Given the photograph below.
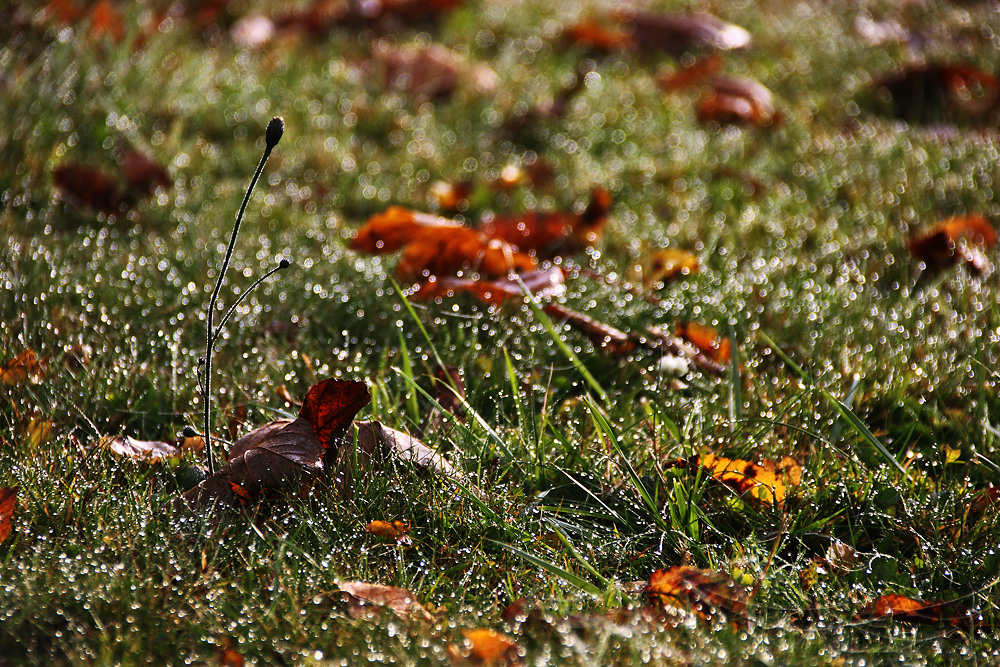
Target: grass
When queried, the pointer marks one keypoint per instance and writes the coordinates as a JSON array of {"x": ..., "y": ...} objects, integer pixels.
[{"x": 850, "y": 358}]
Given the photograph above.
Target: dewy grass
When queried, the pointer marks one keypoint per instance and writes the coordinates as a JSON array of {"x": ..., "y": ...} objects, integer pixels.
[{"x": 801, "y": 232}]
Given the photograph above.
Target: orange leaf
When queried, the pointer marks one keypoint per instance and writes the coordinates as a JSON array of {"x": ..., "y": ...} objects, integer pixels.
[
  {"x": 392, "y": 229},
  {"x": 105, "y": 19},
  {"x": 8, "y": 503},
  {"x": 900, "y": 608},
  {"x": 689, "y": 75},
  {"x": 663, "y": 266},
  {"x": 599, "y": 36},
  {"x": 490, "y": 648},
  {"x": 704, "y": 591},
  {"x": 330, "y": 406},
  {"x": 20, "y": 368},
  {"x": 745, "y": 477},
  {"x": 396, "y": 530},
  {"x": 940, "y": 247},
  {"x": 707, "y": 340}
]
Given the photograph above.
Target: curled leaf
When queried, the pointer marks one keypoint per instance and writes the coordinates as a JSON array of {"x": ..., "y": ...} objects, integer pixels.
[
  {"x": 21, "y": 368},
  {"x": 395, "y": 531},
  {"x": 677, "y": 34},
  {"x": 739, "y": 101},
  {"x": 363, "y": 599},
  {"x": 143, "y": 450},
  {"x": 707, "y": 340},
  {"x": 953, "y": 240}
]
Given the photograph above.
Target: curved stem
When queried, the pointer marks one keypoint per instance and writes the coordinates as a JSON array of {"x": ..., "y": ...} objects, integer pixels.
[
  {"x": 210, "y": 336},
  {"x": 241, "y": 299}
]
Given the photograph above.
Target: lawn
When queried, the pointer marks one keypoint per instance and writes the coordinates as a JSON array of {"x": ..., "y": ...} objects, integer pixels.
[{"x": 714, "y": 381}]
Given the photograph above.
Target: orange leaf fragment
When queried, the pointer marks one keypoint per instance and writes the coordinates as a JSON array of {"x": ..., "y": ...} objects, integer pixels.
[
  {"x": 599, "y": 36},
  {"x": 8, "y": 503},
  {"x": 664, "y": 266},
  {"x": 21, "y": 368},
  {"x": 707, "y": 340},
  {"x": 942, "y": 246},
  {"x": 396, "y": 530},
  {"x": 901, "y": 608},
  {"x": 745, "y": 477},
  {"x": 706, "y": 592},
  {"x": 364, "y": 598},
  {"x": 689, "y": 74},
  {"x": 488, "y": 648}
]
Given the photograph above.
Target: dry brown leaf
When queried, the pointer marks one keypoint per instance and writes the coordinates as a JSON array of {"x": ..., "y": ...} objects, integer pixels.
[
  {"x": 142, "y": 450},
  {"x": 953, "y": 240},
  {"x": 900, "y": 608},
  {"x": 21, "y": 368},
  {"x": 364, "y": 599},
  {"x": 677, "y": 34},
  {"x": 706, "y": 592},
  {"x": 90, "y": 188},
  {"x": 940, "y": 93},
  {"x": 430, "y": 72},
  {"x": 143, "y": 174},
  {"x": 8, "y": 503},
  {"x": 283, "y": 454},
  {"x": 553, "y": 234},
  {"x": 737, "y": 101}
]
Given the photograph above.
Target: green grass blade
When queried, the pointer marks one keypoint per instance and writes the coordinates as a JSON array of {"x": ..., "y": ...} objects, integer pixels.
[{"x": 552, "y": 568}]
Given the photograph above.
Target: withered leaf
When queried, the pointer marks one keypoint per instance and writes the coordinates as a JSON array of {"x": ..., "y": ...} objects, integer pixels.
[
  {"x": 282, "y": 454},
  {"x": 378, "y": 447},
  {"x": 706, "y": 592},
  {"x": 543, "y": 282},
  {"x": 363, "y": 599},
  {"x": 395, "y": 531},
  {"x": 677, "y": 34},
  {"x": 663, "y": 266},
  {"x": 940, "y": 93},
  {"x": 486, "y": 647},
  {"x": 143, "y": 450},
  {"x": 901, "y": 608},
  {"x": 551, "y": 234},
  {"x": 142, "y": 173},
  {"x": 430, "y": 72},
  {"x": 762, "y": 481},
  {"x": 707, "y": 340},
  {"x": 738, "y": 101},
  {"x": 21, "y": 368},
  {"x": 8, "y": 503},
  {"x": 88, "y": 187},
  {"x": 944, "y": 244}
]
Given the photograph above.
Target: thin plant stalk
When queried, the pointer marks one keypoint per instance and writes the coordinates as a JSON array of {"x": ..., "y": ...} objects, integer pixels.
[{"x": 272, "y": 135}]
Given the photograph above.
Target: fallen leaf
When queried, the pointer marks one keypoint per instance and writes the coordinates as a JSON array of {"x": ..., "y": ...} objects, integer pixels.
[
  {"x": 745, "y": 477},
  {"x": 88, "y": 187},
  {"x": 552, "y": 234},
  {"x": 706, "y": 340},
  {"x": 940, "y": 93},
  {"x": 378, "y": 447},
  {"x": 436, "y": 246},
  {"x": 38, "y": 431},
  {"x": 8, "y": 503},
  {"x": 21, "y": 368},
  {"x": 106, "y": 20},
  {"x": 430, "y": 72},
  {"x": 677, "y": 34},
  {"x": 900, "y": 608},
  {"x": 363, "y": 599},
  {"x": 283, "y": 453},
  {"x": 395, "y": 531},
  {"x": 706, "y": 592},
  {"x": 486, "y": 647},
  {"x": 667, "y": 343},
  {"x": 664, "y": 266},
  {"x": 603, "y": 336},
  {"x": 230, "y": 657},
  {"x": 142, "y": 173},
  {"x": 451, "y": 196},
  {"x": 689, "y": 74},
  {"x": 143, "y": 450},
  {"x": 952, "y": 240},
  {"x": 737, "y": 101},
  {"x": 542, "y": 283},
  {"x": 599, "y": 35}
]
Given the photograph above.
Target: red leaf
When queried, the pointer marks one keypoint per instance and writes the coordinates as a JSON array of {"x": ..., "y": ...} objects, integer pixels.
[
  {"x": 330, "y": 406},
  {"x": 89, "y": 188},
  {"x": 942, "y": 246},
  {"x": 8, "y": 503},
  {"x": 900, "y": 608},
  {"x": 143, "y": 174}
]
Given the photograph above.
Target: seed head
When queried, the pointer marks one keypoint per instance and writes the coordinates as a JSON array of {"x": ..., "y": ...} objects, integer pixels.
[{"x": 274, "y": 131}]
